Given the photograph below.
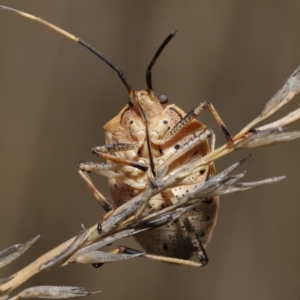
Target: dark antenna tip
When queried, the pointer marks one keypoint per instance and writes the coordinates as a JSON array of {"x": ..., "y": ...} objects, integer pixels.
[
  {"x": 103, "y": 58},
  {"x": 156, "y": 55}
]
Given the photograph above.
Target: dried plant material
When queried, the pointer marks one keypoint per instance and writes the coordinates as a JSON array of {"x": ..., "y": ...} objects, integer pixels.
[
  {"x": 221, "y": 184},
  {"x": 54, "y": 292},
  {"x": 288, "y": 119},
  {"x": 60, "y": 259},
  {"x": 10, "y": 254},
  {"x": 161, "y": 173},
  {"x": 124, "y": 211},
  {"x": 4, "y": 280},
  {"x": 162, "y": 217},
  {"x": 244, "y": 186},
  {"x": 226, "y": 186},
  {"x": 267, "y": 137},
  {"x": 99, "y": 257},
  {"x": 282, "y": 97},
  {"x": 100, "y": 244}
]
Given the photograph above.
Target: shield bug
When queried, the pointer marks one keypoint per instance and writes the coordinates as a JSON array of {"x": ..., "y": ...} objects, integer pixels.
[{"x": 147, "y": 136}]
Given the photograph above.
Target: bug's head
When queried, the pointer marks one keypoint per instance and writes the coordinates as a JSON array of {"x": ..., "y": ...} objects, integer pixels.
[{"x": 147, "y": 103}]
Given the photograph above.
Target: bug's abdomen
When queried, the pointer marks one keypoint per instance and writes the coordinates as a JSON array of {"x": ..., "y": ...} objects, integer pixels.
[{"x": 172, "y": 239}]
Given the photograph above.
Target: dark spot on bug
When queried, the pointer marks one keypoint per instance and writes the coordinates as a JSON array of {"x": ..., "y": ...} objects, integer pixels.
[
  {"x": 195, "y": 153},
  {"x": 162, "y": 206},
  {"x": 139, "y": 152},
  {"x": 115, "y": 186},
  {"x": 187, "y": 191},
  {"x": 131, "y": 122},
  {"x": 202, "y": 171},
  {"x": 165, "y": 246},
  {"x": 177, "y": 146},
  {"x": 160, "y": 151},
  {"x": 208, "y": 201},
  {"x": 165, "y": 121},
  {"x": 202, "y": 234},
  {"x": 207, "y": 218}
]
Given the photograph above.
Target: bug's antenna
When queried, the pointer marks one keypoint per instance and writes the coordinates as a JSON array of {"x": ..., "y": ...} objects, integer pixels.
[
  {"x": 156, "y": 55},
  {"x": 74, "y": 38}
]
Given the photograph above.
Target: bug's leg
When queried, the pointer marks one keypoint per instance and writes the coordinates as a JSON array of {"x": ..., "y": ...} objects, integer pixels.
[
  {"x": 199, "y": 249},
  {"x": 167, "y": 259},
  {"x": 106, "y": 150},
  {"x": 212, "y": 169},
  {"x": 113, "y": 171},
  {"x": 213, "y": 141},
  {"x": 195, "y": 240},
  {"x": 108, "y": 170},
  {"x": 106, "y": 203},
  {"x": 198, "y": 139},
  {"x": 192, "y": 115}
]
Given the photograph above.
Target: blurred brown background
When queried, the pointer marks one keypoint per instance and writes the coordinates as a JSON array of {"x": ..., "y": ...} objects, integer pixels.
[{"x": 55, "y": 97}]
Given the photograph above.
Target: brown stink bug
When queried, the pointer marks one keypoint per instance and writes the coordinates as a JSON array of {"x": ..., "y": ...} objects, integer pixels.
[{"x": 145, "y": 137}]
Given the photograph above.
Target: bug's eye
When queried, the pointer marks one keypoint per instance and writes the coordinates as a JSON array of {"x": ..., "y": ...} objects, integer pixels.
[{"x": 163, "y": 99}]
